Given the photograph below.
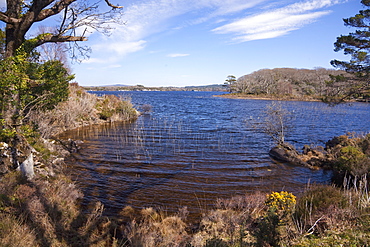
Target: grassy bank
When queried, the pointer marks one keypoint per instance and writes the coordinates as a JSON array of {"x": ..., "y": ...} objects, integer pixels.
[{"x": 45, "y": 212}]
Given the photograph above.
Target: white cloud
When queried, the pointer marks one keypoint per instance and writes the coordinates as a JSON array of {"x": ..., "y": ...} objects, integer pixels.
[
  {"x": 152, "y": 16},
  {"x": 147, "y": 17},
  {"x": 116, "y": 49},
  {"x": 178, "y": 55},
  {"x": 124, "y": 48},
  {"x": 275, "y": 23}
]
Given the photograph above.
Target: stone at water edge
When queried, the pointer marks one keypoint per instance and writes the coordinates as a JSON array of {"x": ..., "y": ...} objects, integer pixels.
[
  {"x": 289, "y": 155},
  {"x": 26, "y": 167}
]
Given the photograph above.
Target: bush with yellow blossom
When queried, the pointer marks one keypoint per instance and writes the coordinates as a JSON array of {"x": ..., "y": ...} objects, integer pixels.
[
  {"x": 272, "y": 227},
  {"x": 282, "y": 203}
]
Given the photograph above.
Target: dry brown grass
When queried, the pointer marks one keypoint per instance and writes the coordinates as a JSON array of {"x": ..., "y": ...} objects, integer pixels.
[
  {"x": 81, "y": 109},
  {"x": 14, "y": 233},
  {"x": 45, "y": 212},
  {"x": 151, "y": 228},
  {"x": 232, "y": 221}
]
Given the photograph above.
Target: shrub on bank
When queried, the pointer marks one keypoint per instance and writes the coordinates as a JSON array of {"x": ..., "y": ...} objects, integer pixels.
[
  {"x": 111, "y": 107},
  {"x": 349, "y": 157},
  {"x": 80, "y": 109}
]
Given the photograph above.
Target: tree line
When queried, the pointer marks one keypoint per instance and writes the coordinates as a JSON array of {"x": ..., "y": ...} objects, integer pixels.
[{"x": 318, "y": 83}]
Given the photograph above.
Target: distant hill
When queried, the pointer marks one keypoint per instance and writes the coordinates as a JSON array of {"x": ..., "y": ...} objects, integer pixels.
[
  {"x": 115, "y": 85},
  {"x": 120, "y": 87}
]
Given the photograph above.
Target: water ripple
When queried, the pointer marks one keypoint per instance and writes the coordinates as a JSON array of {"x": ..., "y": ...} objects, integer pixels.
[{"x": 194, "y": 148}]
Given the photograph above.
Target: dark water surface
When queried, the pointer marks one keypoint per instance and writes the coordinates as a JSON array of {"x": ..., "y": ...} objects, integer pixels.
[{"x": 194, "y": 148}]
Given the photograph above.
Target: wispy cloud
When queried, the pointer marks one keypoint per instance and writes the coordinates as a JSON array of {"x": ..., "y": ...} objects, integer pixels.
[
  {"x": 152, "y": 16},
  {"x": 178, "y": 55},
  {"x": 148, "y": 17},
  {"x": 120, "y": 48},
  {"x": 277, "y": 22}
]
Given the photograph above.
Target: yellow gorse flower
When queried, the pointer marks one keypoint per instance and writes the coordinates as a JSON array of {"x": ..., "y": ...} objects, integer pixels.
[{"x": 281, "y": 201}]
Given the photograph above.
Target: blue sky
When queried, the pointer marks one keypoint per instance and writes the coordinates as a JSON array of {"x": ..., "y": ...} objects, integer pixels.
[{"x": 201, "y": 42}]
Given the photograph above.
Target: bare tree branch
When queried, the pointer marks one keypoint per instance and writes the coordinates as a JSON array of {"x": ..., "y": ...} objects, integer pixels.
[
  {"x": 56, "y": 9},
  {"x": 54, "y": 39},
  {"x": 7, "y": 19},
  {"x": 113, "y": 6},
  {"x": 311, "y": 230},
  {"x": 78, "y": 15}
]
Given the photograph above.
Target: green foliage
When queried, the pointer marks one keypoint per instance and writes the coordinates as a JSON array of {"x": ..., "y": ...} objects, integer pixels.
[
  {"x": 229, "y": 82},
  {"x": 356, "y": 44},
  {"x": 267, "y": 232},
  {"x": 215, "y": 242},
  {"x": 350, "y": 154},
  {"x": 27, "y": 85},
  {"x": 365, "y": 144},
  {"x": 29, "y": 132},
  {"x": 6, "y": 134},
  {"x": 50, "y": 84},
  {"x": 105, "y": 113},
  {"x": 353, "y": 161},
  {"x": 350, "y": 238},
  {"x": 319, "y": 199}
]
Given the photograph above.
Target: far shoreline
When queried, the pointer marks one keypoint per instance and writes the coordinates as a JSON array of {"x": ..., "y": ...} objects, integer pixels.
[{"x": 263, "y": 97}]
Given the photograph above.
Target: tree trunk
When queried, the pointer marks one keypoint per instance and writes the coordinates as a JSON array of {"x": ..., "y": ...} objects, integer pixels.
[{"x": 13, "y": 39}]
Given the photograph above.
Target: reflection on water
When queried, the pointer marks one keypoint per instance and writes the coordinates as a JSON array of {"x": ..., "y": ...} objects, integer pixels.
[{"x": 194, "y": 148}]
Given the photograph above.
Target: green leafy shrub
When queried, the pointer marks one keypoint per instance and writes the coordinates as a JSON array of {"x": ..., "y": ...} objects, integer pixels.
[
  {"x": 365, "y": 145},
  {"x": 321, "y": 208},
  {"x": 320, "y": 198},
  {"x": 353, "y": 161},
  {"x": 349, "y": 156},
  {"x": 6, "y": 134},
  {"x": 26, "y": 85},
  {"x": 105, "y": 113}
]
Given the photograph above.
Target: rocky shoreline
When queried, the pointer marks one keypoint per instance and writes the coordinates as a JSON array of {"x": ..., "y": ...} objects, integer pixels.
[{"x": 345, "y": 155}]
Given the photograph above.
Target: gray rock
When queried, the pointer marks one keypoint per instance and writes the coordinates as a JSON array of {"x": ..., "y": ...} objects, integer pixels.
[
  {"x": 289, "y": 155},
  {"x": 27, "y": 166}
]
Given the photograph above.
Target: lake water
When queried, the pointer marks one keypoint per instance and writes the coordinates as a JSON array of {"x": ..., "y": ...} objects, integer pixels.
[{"x": 194, "y": 148}]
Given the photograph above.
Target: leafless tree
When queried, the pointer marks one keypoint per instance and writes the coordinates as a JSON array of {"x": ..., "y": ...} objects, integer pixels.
[
  {"x": 277, "y": 122},
  {"x": 76, "y": 18}
]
